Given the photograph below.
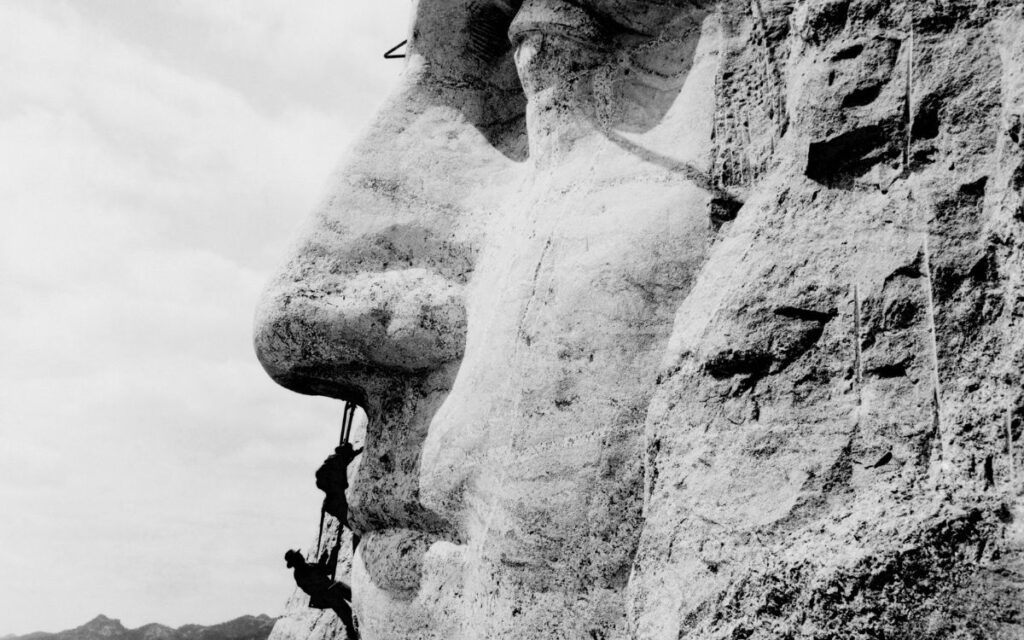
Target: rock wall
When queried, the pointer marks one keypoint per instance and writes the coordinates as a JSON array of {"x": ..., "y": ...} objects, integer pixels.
[
  {"x": 712, "y": 336},
  {"x": 834, "y": 449}
]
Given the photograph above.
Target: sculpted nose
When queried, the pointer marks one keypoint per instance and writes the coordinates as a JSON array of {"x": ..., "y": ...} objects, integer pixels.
[{"x": 355, "y": 305}]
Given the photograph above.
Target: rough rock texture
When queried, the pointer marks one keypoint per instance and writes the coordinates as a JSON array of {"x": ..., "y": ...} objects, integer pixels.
[
  {"x": 829, "y": 449},
  {"x": 679, "y": 320}
]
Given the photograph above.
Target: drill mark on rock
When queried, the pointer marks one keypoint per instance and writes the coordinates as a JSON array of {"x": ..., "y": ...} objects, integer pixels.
[
  {"x": 908, "y": 103},
  {"x": 1009, "y": 449},
  {"x": 858, "y": 347},
  {"x": 932, "y": 331}
]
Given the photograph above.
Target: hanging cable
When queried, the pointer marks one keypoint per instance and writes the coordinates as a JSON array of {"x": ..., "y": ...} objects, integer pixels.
[
  {"x": 320, "y": 531},
  {"x": 347, "y": 416}
]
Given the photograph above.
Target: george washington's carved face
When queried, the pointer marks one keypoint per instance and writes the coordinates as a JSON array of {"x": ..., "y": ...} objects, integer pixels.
[{"x": 493, "y": 277}]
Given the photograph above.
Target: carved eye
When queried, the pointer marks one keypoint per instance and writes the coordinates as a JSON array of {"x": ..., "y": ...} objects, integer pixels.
[
  {"x": 556, "y": 44},
  {"x": 560, "y": 19}
]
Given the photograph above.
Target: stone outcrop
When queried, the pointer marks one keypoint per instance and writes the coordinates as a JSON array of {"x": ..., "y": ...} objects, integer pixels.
[
  {"x": 707, "y": 325},
  {"x": 834, "y": 447}
]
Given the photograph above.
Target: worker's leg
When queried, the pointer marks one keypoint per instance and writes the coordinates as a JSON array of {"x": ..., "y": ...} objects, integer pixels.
[{"x": 344, "y": 611}]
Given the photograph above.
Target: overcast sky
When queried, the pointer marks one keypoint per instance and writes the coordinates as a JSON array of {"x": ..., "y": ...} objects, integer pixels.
[{"x": 156, "y": 157}]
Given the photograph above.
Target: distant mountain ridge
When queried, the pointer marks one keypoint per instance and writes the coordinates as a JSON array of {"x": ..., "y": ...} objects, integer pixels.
[{"x": 103, "y": 628}]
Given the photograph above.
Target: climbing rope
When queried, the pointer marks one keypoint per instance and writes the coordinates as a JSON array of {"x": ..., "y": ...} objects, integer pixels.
[
  {"x": 334, "y": 549},
  {"x": 348, "y": 414},
  {"x": 320, "y": 531},
  {"x": 347, "y": 417}
]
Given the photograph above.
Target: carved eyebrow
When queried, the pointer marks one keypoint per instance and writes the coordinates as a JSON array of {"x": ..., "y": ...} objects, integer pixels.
[
  {"x": 567, "y": 19},
  {"x": 645, "y": 18}
]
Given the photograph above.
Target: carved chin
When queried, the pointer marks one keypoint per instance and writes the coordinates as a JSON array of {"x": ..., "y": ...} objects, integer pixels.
[{"x": 404, "y": 589}]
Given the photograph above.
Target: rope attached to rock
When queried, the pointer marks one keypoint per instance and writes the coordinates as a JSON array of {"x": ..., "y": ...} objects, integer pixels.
[{"x": 347, "y": 417}]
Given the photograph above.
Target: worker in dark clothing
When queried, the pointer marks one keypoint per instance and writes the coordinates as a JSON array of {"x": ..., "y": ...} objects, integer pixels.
[
  {"x": 324, "y": 592},
  {"x": 332, "y": 479}
]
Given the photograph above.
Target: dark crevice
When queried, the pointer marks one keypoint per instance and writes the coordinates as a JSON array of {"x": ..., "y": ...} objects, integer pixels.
[
  {"x": 926, "y": 120},
  {"x": 836, "y": 161},
  {"x": 862, "y": 97},
  {"x": 886, "y": 371},
  {"x": 974, "y": 192},
  {"x": 922, "y": 158},
  {"x": 1017, "y": 181},
  {"x": 730, "y": 362},
  {"x": 912, "y": 270},
  {"x": 849, "y": 52},
  {"x": 723, "y": 209},
  {"x": 808, "y": 315}
]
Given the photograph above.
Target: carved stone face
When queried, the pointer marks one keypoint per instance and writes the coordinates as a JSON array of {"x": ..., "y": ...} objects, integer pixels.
[
  {"x": 605, "y": 400},
  {"x": 493, "y": 277}
]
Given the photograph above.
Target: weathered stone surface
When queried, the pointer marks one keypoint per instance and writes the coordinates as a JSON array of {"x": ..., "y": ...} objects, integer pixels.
[{"x": 706, "y": 325}]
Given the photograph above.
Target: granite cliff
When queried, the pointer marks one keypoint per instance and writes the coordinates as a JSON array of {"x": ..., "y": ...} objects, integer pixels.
[
  {"x": 679, "y": 320},
  {"x": 834, "y": 449}
]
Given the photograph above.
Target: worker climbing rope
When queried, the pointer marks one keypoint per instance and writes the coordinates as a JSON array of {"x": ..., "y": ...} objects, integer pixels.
[
  {"x": 317, "y": 581},
  {"x": 332, "y": 477}
]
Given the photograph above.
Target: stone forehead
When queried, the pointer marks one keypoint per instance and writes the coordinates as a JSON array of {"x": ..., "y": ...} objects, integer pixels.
[{"x": 646, "y": 16}]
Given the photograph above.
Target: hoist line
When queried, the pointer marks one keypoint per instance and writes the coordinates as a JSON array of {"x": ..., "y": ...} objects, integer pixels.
[
  {"x": 320, "y": 531},
  {"x": 347, "y": 417}
]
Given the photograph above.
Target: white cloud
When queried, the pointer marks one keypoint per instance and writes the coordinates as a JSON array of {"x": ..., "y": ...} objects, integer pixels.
[{"x": 155, "y": 155}]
